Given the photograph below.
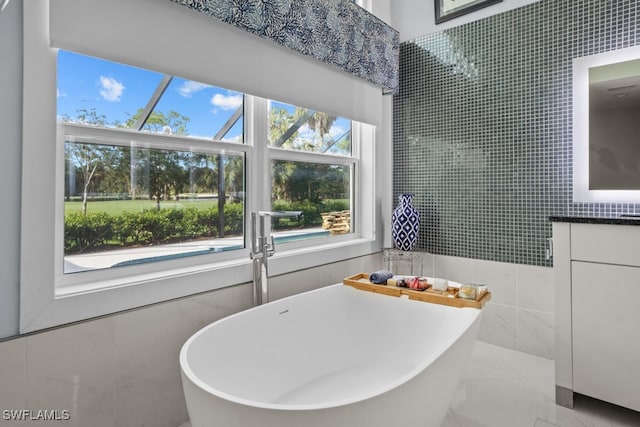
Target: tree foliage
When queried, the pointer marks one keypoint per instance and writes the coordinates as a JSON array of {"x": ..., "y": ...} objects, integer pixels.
[
  {"x": 87, "y": 158},
  {"x": 172, "y": 123},
  {"x": 95, "y": 171},
  {"x": 299, "y": 181},
  {"x": 134, "y": 172},
  {"x": 99, "y": 231}
]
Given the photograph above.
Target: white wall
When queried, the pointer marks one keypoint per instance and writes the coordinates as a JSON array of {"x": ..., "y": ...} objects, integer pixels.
[
  {"x": 415, "y": 18},
  {"x": 10, "y": 141},
  {"x": 382, "y": 9}
]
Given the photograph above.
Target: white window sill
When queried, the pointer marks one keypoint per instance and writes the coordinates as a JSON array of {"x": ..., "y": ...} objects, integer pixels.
[{"x": 82, "y": 301}]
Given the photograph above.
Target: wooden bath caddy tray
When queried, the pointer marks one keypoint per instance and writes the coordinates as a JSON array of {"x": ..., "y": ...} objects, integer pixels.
[{"x": 449, "y": 297}]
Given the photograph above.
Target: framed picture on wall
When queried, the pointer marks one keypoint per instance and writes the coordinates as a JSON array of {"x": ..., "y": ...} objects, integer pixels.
[{"x": 449, "y": 9}]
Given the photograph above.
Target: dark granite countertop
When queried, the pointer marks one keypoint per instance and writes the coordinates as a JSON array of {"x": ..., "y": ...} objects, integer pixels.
[{"x": 622, "y": 220}]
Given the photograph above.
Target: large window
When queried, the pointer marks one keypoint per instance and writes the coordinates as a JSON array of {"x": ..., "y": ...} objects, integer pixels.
[
  {"x": 155, "y": 157},
  {"x": 155, "y": 167},
  {"x": 303, "y": 129},
  {"x": 147, "y": 177},
  {"x": 100, "y": 93},
  {"x": 127, "y": 204},
  {"x": 312, "y": 169}
]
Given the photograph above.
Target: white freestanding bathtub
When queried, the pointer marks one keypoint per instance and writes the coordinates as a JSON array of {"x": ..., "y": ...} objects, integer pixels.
[{"x": 333, "y": 357}]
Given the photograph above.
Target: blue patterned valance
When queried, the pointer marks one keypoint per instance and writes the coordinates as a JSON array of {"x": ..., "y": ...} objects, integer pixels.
[{"x": 337, "y": 32}]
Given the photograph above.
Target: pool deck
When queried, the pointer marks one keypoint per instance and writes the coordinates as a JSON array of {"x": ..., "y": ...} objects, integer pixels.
[{"x": 130, "y": 256}]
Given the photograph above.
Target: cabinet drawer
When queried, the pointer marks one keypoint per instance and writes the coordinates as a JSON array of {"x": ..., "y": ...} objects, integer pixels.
[
  {"x": 611, "y": 244},
  {"x": 606, "y": 332}
]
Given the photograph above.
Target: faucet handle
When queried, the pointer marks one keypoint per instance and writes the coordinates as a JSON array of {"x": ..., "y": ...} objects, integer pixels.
[{"x": 271, "y": 249}]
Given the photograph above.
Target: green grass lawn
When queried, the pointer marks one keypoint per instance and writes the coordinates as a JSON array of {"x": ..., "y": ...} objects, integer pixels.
[{"x": 116, "y": 207}]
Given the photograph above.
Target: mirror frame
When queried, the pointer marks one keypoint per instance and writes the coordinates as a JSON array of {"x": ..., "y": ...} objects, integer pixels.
[{"x": 581, "y": 191}]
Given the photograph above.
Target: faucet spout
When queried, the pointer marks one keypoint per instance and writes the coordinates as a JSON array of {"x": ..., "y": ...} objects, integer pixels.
[
  {"x": 262, "y": 247},
  {"x": 281, "y": 214}
]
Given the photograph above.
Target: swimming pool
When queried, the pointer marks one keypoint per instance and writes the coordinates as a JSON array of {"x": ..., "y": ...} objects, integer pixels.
[{"x": 282, "y": 237}]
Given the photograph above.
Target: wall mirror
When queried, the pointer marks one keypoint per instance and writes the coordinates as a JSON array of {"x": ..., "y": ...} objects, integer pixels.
[{"x": 606, "y": 127}]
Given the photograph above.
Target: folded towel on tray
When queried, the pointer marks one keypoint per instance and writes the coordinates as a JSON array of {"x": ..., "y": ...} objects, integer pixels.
[{"x": 380, "y": 276}]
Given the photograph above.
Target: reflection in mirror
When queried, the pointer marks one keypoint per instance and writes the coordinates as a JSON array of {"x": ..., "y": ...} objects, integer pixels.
[
  {"x": 614, "y": 126},
  {"x": 606, "y": 127}
]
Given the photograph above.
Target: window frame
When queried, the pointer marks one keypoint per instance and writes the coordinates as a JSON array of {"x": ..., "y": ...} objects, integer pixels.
[
  {"x": 117, "y": 137},
  {"x": 43, "y": 305},
  {"x": 274, "y": 153}
]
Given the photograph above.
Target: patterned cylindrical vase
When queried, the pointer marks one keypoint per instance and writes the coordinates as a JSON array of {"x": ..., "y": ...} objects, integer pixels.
[{"x": 405, "y": 224}]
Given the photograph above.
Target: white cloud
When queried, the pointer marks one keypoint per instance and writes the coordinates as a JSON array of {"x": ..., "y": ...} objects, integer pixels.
[
  {"x": 60, "y": 93},
  {"x": 111, "y": 89},
  {"x": 190, "y": 87},
  {"x": 334, "y": 132},
  {"x": 337, "y": 131},
  {"x": 228, "y": 102},
  {"x": 305, "y": 132}
]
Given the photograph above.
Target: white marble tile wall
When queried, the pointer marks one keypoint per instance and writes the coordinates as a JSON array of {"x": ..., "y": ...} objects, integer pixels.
[
  {"x": 123, "y": 370},
  {"x": 520, "y": 314}
]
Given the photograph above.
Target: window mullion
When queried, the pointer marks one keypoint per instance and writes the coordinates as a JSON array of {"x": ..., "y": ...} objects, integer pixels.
[
  {"x": 153, "y": 101},
  {"x": 222, "y": 132},
  {"x": 124, "y": 137},
  {"x": 258, "y": 172},
  {"x": 305, "y": 156}
]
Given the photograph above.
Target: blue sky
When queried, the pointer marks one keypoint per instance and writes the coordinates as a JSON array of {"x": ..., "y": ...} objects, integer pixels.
[{"x": 118, "y": 91}]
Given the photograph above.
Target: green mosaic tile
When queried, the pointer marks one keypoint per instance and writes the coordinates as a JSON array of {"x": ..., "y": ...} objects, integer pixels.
[{"x": 482, "y": 126}]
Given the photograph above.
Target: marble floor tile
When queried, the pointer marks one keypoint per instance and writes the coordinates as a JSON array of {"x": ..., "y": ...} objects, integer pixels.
[{"x": 507, "y": 388}]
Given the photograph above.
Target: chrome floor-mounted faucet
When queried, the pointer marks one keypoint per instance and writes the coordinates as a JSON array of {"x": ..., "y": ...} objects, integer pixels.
[{"x": 262, "y": 247}]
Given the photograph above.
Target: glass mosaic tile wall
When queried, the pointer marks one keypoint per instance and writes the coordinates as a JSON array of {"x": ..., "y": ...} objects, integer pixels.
[{"x": 482, "y": 126}]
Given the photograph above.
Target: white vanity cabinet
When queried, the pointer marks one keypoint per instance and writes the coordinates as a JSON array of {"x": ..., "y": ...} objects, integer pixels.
[{"x": 597, "y": 273}]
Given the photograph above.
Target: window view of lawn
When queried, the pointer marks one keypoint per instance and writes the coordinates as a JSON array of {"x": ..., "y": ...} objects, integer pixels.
[
  {"x": 118, "y": 196},
  {"x": 156, "y": 161}
]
